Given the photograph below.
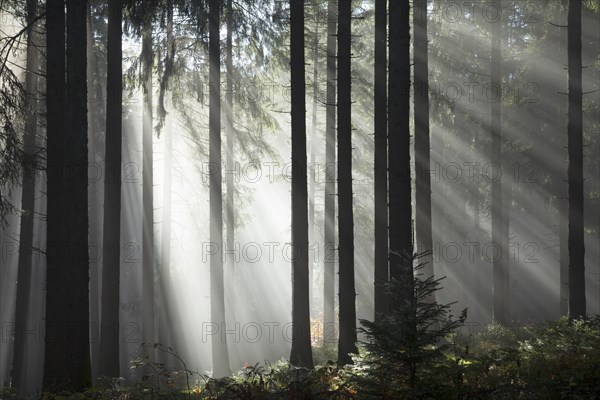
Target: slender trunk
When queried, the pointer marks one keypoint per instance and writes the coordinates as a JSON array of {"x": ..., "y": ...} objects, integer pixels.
[
  {"x": 220, "y": 354},
  {"x": 167, "y": 334},
  {"x": 329, "y": 252},
  {"x": 560, "y": 180},
  {"x": 347, "y": 293},
  {"x": 109, "y": 338},
  {"x": 313, "y": 156},
  {"x": 563, "y": 238},
  {"x": 148, "y": 193},
  {"x": 93, "y": 127},
  {"x": 67, "y": 358},
  {"x": 422, "y": 141},
  {"x": 476, "y": 237},
  {"x": 381, "y": 161},
  {"x": 301, "y": 352},
  {"x": 229, "y": 162},
  {"x": 500, "y": 258},
  {"x": 20, "y": 352},
  {"x": 400, "y": 204},
  {"x": 577, "y": 305},
  {"x": 165, "y": 321}
]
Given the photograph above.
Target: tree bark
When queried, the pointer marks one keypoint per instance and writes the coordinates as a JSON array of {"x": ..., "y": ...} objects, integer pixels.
[
  {"x": 347, "y": 293},
  {"x": 301, "y": 352},
  {"x": 500, "y": 258},
  {"x": 109, "y": 338},
  {"x": 381, "y": 161},
  {"x": 400, "y": 204},
  {"x": 148, "y": 308},
  {"x": 165, "y": 323},
  {"x": 577, "y": 301},
  {"x": 422, "y": 140},
  {"x": 329, "y": 250},
  {"x": 313, "y": 157},
  {"x": 67, "y": 355},
  {"x": 96, "y": 225},
  {"x": 229, "y": 162},
  {"x": 220, "y": 354}
]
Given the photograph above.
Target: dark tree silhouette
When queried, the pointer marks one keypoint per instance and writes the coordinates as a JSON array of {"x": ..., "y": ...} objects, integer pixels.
[
  {"x": 381, "y": 161},
  {"x": 500, "y": 259},
  {"x": 109, "y": 339},
  {"x": 19, "y": 367},
  {"x": 55, "y": 125},
  {"x": 147, "y": 188},
  {"x": 347, "y": 293},
  {"x": 330, "y": 168},
  {"x": 561, "y": 179},
  {"x": 229, "y": 163},
  {"x": 422, "y": 143},
  {"x": 96, "y": 113},
  {"x": 301, "y": 352},
  {"x": 166, "y": 319},
  {"x": 400, "y": 207},
  {"x": 577, "y": 306},
  {"x": 220, "y": 354},
  {"x": 67, "y": 354},
  {"x": 313, "y": 155}
]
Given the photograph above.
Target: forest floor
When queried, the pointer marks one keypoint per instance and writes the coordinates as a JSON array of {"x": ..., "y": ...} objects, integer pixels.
[{"x": 551, "y": 360}]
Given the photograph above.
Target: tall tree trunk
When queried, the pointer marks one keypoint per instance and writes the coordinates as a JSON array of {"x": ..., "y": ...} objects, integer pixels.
[
  {"x": 381, "y": 161},
  {"x": 165, "y": 322},
  {"x": 109, "y": 338},
  {"x": 500, "y": 258},
  {"x": 313, "y": 156},
  {"x": 330, "y": 167},
  {"x": 347, "y": 293},
  {"x": 229, "y": 162},
  {"x": 400, "y": 204},
  {"x": 167, "y": 334},
  {"x": 301, "y": 352},
  {"x": 20, "y": 352},
  {"x": 148, "y": 192},
  {"x": 577, "y": 305},
  {"x": 476, "y": 237},
  {"x": 94, "y": 213},
  {"x": 560, "y": 180},
  {"x": 422, "y": 141},
  {"x": 220, "y": 354},
  {"x": 67, "y": 358}
]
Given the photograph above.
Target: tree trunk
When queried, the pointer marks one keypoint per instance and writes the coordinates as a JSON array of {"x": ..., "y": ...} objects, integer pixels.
[
  {"x": 301, "y": 352},
  {"x": 313, "y": 156},
  {"x": 167, "y": 334},
  {"x": 220, "y": 354},
  {"x": 109, "y": 339},
  {"x": 577, "y": 305},
  {"x": 381, "y": 161},
  {"x": 20, "y": 352},
  {"x": 422, "y": 141},
  {"x": 148, "y": 193},
  {"x": 229, "y": 162},
  {"x": 558, "y": 124},
  {"x": 165, "y": 322},
  {"x": 329, "y": 252},
  {"x": 93, "y": 192},
  {"x": 500, "y": 258},
  {"x": 400, "y": 204},
  {"x": 67, "y": 358},
  {"x": 347, "y": 293}
]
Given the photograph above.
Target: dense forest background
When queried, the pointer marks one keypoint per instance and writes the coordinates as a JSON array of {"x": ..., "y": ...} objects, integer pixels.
[{"x": 226, "y": 183}]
